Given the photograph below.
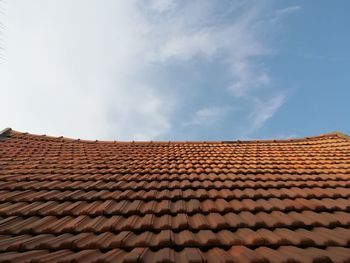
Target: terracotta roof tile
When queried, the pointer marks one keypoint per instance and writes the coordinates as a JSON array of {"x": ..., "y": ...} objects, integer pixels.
[{"x": 64, "y": 200}]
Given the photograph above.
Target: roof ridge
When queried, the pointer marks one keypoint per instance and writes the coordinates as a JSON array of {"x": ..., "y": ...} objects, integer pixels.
[
  {"x": 5, "y": 134},
  {"x": 305, "y": 138}
]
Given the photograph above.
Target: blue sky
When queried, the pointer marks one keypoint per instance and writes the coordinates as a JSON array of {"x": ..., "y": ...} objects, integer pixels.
[{"x": 175, "y": 70}]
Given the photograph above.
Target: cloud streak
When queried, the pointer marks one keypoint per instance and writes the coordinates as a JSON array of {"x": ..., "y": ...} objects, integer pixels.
[
  {"x": 287, "y": 10},
  {"x": 135, "y": 70},
  {"x": 265, "y": 110}
]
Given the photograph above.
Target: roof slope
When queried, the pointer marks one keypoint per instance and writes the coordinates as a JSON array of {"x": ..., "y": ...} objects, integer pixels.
[{"x": 258, "y": 201}]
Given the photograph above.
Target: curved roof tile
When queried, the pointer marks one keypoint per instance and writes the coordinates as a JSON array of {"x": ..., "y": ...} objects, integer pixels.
[{"x": 64, "y": 200}]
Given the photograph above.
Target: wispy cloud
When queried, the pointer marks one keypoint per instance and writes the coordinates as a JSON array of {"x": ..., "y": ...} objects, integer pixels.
[
  {"x": 247, "y": 78},
  {"x": 135, "y": 69},
  {"x": 208, "y": 116},
  {"x": 280, "y": 13},
  {"x": 264, "y": 110},
  {"x": 287, "y": 10},
  {"x": 162, "y": 5}
]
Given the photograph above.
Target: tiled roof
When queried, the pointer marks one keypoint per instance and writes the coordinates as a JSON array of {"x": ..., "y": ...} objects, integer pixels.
[{"x": 255, "y": 201}]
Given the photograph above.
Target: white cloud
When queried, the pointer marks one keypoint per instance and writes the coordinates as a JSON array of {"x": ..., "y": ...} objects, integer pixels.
[
  {"x": 247, "y": 78},
  {"x": 237, "y": 43},
  {"x": 105, "y": 70},
  {"x": 280, "y": 13},
  {"x": 187, "y": 46},
  {"x": 264, "y": 110},
  {"x": 66, "y": 75},
  {"x": 140, "y": 113},
  {"x": 208, "y": 116},
  {"x": 162, "y": 5},
  {"x": 287, "y": 10}
]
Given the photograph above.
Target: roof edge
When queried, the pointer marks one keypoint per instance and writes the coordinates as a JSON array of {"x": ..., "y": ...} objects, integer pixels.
[
  {"x": 5, "y": 133},
  {"x": 342, "y": 135},
  {"x": 305, "y": 138}
]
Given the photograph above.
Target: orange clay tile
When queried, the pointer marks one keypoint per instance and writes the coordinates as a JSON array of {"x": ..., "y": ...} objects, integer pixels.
[{"x": 66, "y": 200}]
